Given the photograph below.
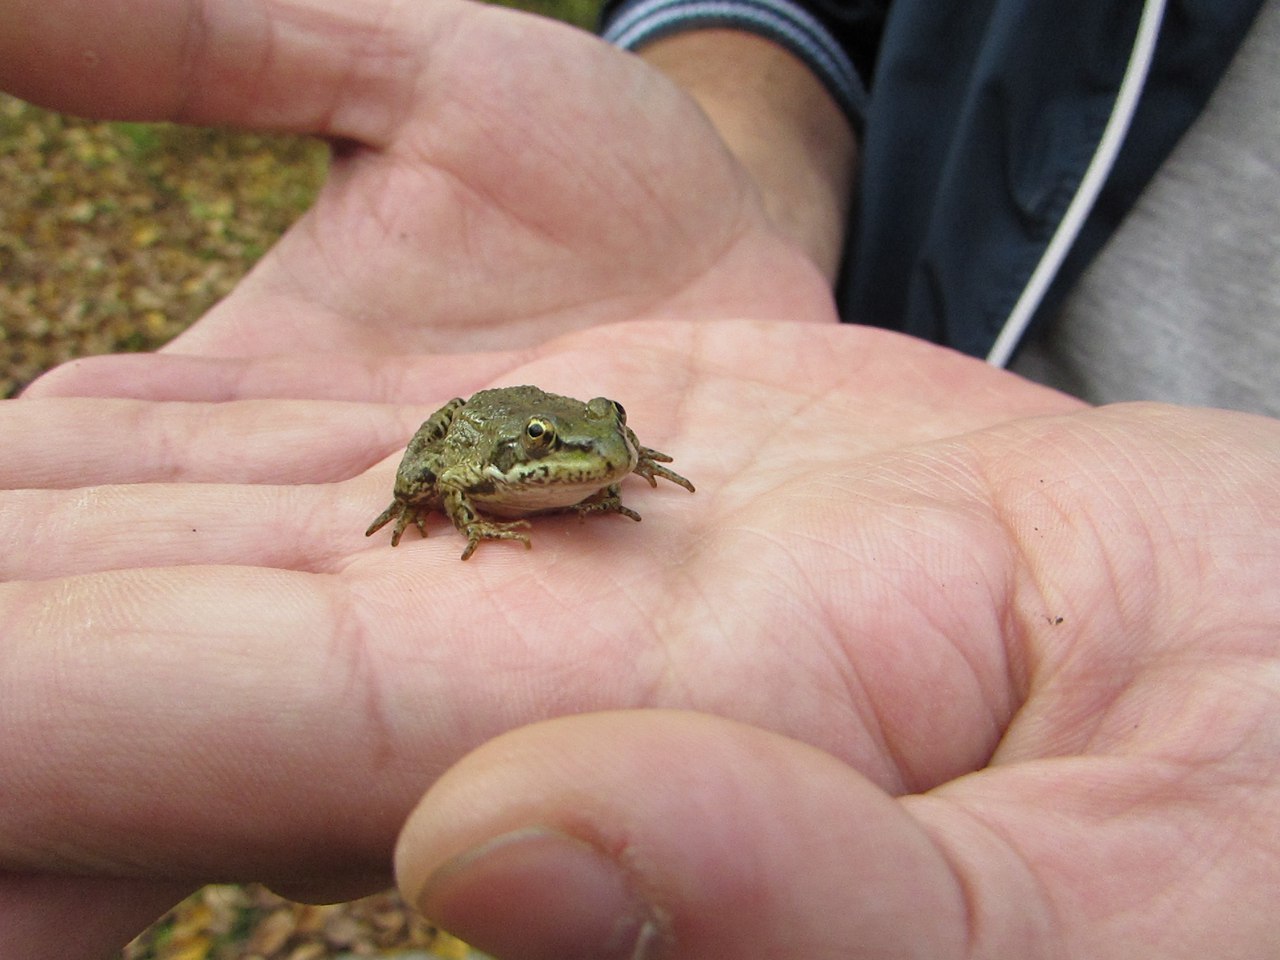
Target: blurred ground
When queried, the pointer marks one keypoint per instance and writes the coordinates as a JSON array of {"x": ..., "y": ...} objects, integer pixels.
[
  {"x": 227, "y": 922},
  {"x": 115, "y": 237}
]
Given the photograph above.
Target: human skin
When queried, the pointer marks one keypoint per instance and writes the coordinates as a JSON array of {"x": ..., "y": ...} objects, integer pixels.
[
  {"x": 518, "y": 178},
  {"x": 962, "y": 667},
  {"x": 935, "y": 662}
]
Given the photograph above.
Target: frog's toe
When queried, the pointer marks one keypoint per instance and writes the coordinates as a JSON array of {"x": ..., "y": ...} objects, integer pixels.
[
  {"x": 408, "y": 515},
  {"x": 606, "y": 501},
  {"x": 610, "y": 505},
  {"x": 485, "y": 530},
  {"x": 383, "y": 519},
  {"x": 651, "y": 471}
]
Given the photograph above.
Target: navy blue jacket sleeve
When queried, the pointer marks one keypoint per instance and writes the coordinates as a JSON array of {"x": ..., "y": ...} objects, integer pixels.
[
  {"x": 838, "y": 39},
  {"x": 982, "y": 125}
]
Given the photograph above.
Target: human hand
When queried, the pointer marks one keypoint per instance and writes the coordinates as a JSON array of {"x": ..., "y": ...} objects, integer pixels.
[
  {"x": 498, "y": 178},
  {"x": 944, "y": 661}
]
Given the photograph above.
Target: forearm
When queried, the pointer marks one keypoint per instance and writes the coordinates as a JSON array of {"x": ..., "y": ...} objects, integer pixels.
[{"x": 779, "y": 121}]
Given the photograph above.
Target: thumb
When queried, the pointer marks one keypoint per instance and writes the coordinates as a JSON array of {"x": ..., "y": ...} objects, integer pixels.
[{"x": 647, "y": 834}]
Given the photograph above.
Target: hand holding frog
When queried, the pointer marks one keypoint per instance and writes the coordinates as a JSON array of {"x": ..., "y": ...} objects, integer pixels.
[
  {"x": 932, "y": 681},
  {"x": 929, "y": 679}
]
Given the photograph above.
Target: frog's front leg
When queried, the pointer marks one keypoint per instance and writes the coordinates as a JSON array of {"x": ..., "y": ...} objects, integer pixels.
[
  {"x": 647, "y": 466},
  {"x": 472, "y": 526}
]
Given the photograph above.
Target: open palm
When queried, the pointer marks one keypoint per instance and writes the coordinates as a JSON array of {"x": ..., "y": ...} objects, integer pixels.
[
  {"x": 497, "y": 178},
  {"x": 961, "y": 589}
]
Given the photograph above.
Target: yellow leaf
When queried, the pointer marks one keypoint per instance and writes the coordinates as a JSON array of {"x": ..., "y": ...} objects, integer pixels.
[
  {"x": 196, "y": 948},
  {"x": 146, "y": 235},
  {"x": 191, "y": 922},
  {"x": 155, "y": 321},
  {"x": 450, "y": 948}
]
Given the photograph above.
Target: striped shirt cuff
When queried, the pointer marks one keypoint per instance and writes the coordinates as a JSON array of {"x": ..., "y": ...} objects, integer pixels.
[{"x": 633, "y": 23}]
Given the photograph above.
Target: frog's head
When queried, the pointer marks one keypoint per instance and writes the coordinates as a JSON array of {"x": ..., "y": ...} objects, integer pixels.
[{"x": 558, "y": 453}]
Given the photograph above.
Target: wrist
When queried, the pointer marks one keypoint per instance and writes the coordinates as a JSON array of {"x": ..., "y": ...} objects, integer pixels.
[{"x": 780, "y": 122}]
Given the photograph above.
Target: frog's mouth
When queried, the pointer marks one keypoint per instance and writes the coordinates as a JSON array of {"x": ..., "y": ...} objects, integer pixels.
[{"x": 539, "y": 485}]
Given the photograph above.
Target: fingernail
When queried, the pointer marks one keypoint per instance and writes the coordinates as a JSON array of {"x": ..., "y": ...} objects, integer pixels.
[{"x": 539, "y": 894}]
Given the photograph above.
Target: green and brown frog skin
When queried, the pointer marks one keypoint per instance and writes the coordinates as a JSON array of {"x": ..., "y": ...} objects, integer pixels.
[{"x": 517, "y": 452}]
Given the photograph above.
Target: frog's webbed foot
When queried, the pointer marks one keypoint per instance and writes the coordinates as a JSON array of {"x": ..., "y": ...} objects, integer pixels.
[
  {"x": 604, "y": 501},
  {"x": 475, "y": 528},
  {"x": 404, "y": 514},
  {"x": 479, "y": 530},
  {"x": 648, "y": 467}
]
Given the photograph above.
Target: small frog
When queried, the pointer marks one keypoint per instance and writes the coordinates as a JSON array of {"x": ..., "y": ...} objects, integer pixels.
[{"x": 515, "y": 452}]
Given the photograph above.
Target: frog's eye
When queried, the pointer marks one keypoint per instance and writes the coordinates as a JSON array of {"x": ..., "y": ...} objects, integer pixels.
[{"x": 539, "y": 434}]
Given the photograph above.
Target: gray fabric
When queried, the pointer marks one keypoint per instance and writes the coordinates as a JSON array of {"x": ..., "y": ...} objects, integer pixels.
[{"x": 1183, "y": 304}]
